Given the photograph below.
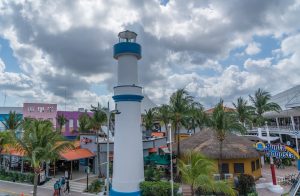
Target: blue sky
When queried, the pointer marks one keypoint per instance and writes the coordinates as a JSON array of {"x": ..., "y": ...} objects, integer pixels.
[{"x": 213, "y": 49}]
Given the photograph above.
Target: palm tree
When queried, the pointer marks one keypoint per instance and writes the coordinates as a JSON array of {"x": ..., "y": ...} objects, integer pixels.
[
  {"x": 61, "y": 121},
  {"x": 98, "y": 119},
  {"x": 13, "y": 121},
  {"x": 195, "y": 117},
  {"x": 148, "y": 120},
  {"x": 163, "y": 114},
  {"x": 180, "y": 103},
  {"x": 223, "y": 123},
  {"x": 262, "y": 104},
  {"x": 40, "y": 144},
  {"x": 5, "y": 138},
  {"x": 84, "y": 122},
  {"x": 243, "y": 110},
  {"x": 197, "y": 171}
]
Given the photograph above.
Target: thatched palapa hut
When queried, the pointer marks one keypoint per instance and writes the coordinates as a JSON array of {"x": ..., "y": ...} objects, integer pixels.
[{"x": 239, "y": 153}]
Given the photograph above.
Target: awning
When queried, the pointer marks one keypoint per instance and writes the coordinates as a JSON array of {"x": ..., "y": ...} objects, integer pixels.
[
  {"x": 76, "y": 154},
  {"x": 165, "y": 149},
  {"x": 152, "y": 150}
]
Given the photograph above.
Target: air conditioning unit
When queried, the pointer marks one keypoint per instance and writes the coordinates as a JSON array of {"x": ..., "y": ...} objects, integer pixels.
[
  {"x": 217, "y": 176},
  {"x": 228, "y": 176}
]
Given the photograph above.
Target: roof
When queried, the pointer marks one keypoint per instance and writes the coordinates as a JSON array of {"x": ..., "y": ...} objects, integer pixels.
[
  {"x": 227, "y": 109},
  {"x": 234, "y": 147},
  {"x": 10, "y": 150},
  {"x": 76, "y": 154}
]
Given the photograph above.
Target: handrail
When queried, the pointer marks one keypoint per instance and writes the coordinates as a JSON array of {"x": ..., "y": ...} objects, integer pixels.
[{"x": 294, "y": 189}]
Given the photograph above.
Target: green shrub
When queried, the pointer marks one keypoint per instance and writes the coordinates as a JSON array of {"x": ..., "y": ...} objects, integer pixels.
[
  {"x": 159, "y": 188},
  {"x": 246, "y": 184},
  {"x": 16, "y": 176},
  {"x": 152, "y": 173},
  {"x": 95, "y": 187}
]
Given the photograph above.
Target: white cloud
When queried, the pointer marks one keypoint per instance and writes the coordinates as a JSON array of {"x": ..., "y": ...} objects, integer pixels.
[
  {"x": 261, "y": 63},
  {"x": 253, "y": 48},
  {"x": 2, "y": 65},
  {"x": 68, "y": 45}
]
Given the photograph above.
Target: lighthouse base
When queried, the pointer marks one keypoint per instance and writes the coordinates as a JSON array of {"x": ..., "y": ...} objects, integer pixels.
[{"x": 116, "y": 193}]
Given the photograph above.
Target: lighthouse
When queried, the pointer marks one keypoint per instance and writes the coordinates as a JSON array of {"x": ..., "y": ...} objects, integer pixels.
[{"x": 128, "y": 167}]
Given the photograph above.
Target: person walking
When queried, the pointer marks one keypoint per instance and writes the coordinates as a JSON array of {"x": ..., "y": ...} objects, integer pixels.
[
  {"x": 56, "y": 189},
  {"x": 67, "y": 186}
]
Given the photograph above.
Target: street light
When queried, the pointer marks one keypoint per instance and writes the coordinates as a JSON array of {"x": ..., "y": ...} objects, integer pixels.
[
  {"x": 171, "y": 159},
  {"x": 108, "y": 115}
]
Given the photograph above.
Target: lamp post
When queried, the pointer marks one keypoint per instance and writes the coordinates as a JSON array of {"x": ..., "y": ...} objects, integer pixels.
[
  {"x": 171, "y": 159},
  {"x": 271, "y": 158},
  {"x": 108, "y": 115}
]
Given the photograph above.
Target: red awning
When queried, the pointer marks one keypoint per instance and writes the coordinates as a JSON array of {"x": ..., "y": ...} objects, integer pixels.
[
  {"x": 152, "y": 150},
  {"x": 76, "y": 154}
]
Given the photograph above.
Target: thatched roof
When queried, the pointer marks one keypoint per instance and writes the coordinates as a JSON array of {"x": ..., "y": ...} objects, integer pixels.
[{"x": 234, "y": 147}]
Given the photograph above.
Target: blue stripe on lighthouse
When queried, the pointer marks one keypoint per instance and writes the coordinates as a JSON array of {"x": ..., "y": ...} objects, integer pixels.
[
  {"x": 116, "y": 193},
  {"x": 127, "y": 48},
  {"x": 137, "y": 98}
]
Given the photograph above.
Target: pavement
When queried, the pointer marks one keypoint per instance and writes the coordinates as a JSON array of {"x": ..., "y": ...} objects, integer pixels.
[
  {"x": 17, "y": 189},
  {"x": 267, "y": 178}
]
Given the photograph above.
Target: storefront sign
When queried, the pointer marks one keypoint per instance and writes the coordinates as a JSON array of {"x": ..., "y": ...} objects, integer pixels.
[{"x": 277, "y": 150}]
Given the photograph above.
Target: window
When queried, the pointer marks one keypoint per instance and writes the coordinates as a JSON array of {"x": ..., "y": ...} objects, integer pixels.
[
  {"x": 50, "y": 109},
  {"x": 217, "y": 176},
  {"x": 30, "y": 109},
  {"x": 71, "y": 125},
  {"x": 253, "y": 165},
  {"x": 225, "y": 168},
  {"x": 239, "y": 168},
  {"x": 41, "y": 109},
  {"x": 257, "y": 164}
]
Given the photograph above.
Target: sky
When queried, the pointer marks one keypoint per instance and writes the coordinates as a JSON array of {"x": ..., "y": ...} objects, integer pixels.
[{"x": 60, "y": 51}]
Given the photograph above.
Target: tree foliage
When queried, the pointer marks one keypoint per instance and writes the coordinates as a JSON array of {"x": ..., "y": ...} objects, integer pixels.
[
  {"x": 40, "y": 144},
  {"x": 197, "y": 171}
]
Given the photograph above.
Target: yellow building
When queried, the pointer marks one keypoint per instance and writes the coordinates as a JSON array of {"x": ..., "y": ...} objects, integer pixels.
[{"x": 239, "y": 154}]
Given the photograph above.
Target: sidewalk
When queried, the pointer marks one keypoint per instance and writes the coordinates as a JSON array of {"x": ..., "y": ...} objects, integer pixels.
[{"x": 15, "y": 188}]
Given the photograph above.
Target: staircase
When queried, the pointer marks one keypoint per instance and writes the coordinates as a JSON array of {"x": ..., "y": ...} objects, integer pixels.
[
  {"x": 186, "y": 190},
  {"x": 74, "y": 186}
]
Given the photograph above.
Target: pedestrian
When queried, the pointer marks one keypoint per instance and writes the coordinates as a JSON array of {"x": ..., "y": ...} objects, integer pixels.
[
  {"x": 59, "y": 187},
  {"x": 56, "y": 189},
  {"x": 66, "y": 174},
  {"x": 68, "y": 186}
]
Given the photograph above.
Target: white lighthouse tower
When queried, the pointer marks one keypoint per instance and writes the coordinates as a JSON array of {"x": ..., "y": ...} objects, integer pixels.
[{"x": 128, "y": 167}]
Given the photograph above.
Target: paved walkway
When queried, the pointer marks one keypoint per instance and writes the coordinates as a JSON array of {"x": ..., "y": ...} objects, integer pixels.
[
  {"x": 267, "y": 178},
  {"x": 18, "y": 188}
]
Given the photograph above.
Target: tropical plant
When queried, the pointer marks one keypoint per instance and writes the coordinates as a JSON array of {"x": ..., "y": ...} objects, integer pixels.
[
  {"x": 148, "y": 119},
  {"x": 163, "y": 114},
  {"x": 40, "y": 144},
  {"x": 180, "y": 103},
  {"x": 84, "y": 122},
  {"x": 197, "y": 171},
  {"x": 13, "y": 121},
  {"x": 157, "y": 188},
  {"x": 195, "y": 117},
  {"x": 61, "y": 121},
  {"x": 243, "y": 111},
  {"x": 98, "y": 119},
  {"x": 261, "y": 104},
  {"x": 5, "y": 138},
  {"x": 222, "y": 123},
  {"x": 246, "y": 184}
]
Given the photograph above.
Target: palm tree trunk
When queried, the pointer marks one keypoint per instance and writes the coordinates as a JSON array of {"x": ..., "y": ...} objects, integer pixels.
[
  {"x": 54, "y": 169},
  {"x": 192, "y": 189},
  {"x": 220, "y": 158},
  {"x": 35, "y": 183},
  {"x": 178, "y": 140}
]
